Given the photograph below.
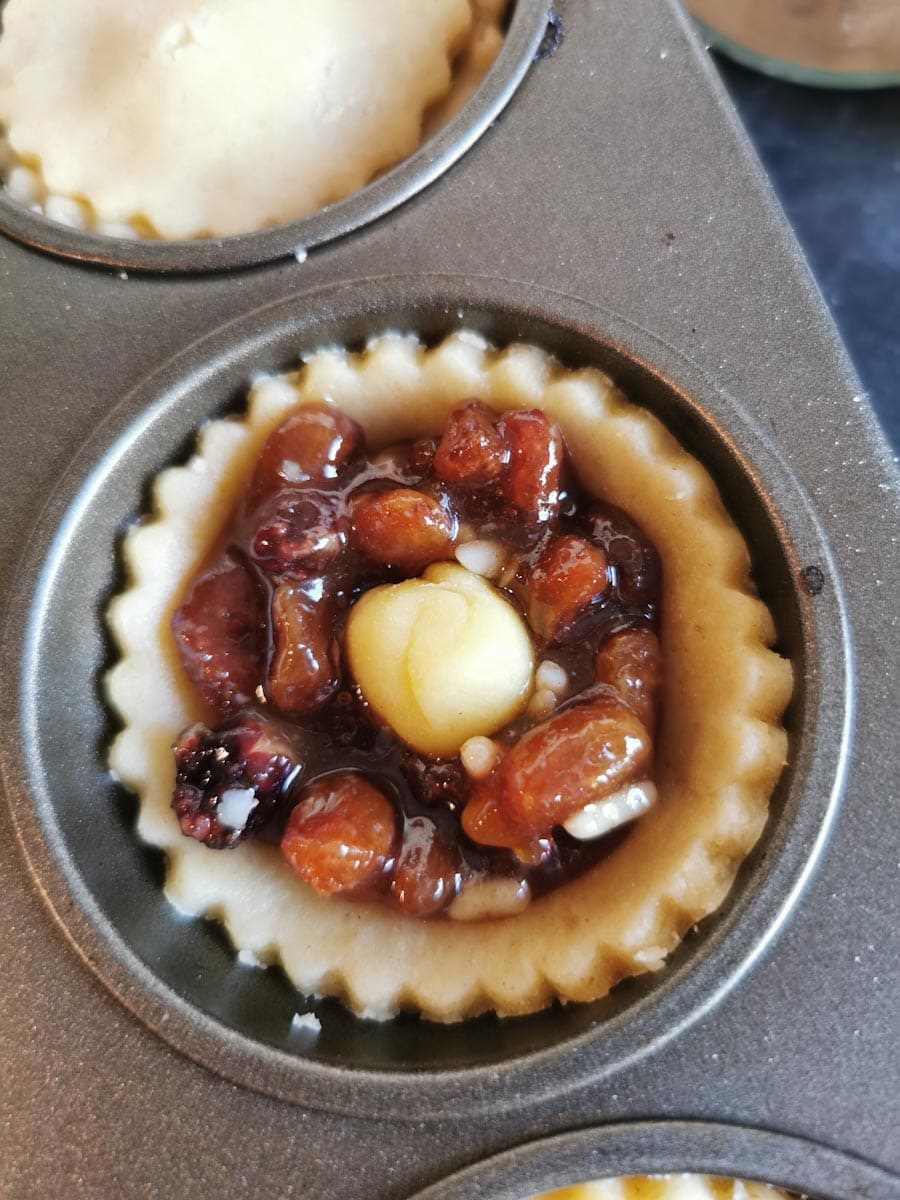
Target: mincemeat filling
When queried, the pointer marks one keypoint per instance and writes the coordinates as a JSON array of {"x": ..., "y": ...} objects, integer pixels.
[{"x": 432, "y": 671}]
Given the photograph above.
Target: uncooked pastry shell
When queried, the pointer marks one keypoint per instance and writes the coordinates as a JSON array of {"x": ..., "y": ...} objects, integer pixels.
[
  {"x": 666, "y": 1187},
  {"x": 720, "y": 751}
]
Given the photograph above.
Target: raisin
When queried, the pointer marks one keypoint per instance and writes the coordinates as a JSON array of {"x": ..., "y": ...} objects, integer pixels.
[
  {"x": 630, "y": 662},
  {"x": 427, "y": 873},
  {"x": 435, "y": 783},
  {"x": 581, "y": 754},
  {"x": 341, "y": 835},
  {"x": 298, "y": 530},
  {"x": 401, "y": 528},
  {"x": 220, "y": 632},
  {"x": 471, "y": 452},
  {"x": 531, "y": 479},
  {"x": 485, "y": 823},
  {"x": 635, "y": 571},
  {"x": 230, "y": 783},
  {"x": 312, "y": 446},
  {"x": 304, "y": 669},
  {"x": 567, "y": 580},
  {"x": 421, "y": 455}
]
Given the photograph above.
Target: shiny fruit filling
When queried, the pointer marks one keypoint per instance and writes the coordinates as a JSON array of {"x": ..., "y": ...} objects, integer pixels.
[{"x": 434, "y": 669}]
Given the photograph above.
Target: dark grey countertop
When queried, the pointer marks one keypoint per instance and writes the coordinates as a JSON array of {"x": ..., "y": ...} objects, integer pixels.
[{"x": 834, "y": 160}]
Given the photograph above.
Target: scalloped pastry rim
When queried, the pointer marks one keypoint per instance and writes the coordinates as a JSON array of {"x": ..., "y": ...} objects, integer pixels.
[{"x": 721, "y": 760}]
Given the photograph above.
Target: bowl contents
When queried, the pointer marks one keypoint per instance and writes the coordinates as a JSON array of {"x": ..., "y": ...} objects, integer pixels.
[
  {"x": 453, "y": 732},
  {"x": 666, "y": 1187},
  {"x": 174, "y": 119},
  {"x": 434, "y": 667}
]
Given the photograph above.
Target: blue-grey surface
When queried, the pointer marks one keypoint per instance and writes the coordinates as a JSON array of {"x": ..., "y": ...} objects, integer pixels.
[{"x": 834, "y": 160}]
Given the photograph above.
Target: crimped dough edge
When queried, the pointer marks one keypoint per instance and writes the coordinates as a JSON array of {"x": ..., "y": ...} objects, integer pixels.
[
  {"x": 666, "y": 1187},
  {"x": 23, "y": 176},
  {"x": 720, "y": 749}
]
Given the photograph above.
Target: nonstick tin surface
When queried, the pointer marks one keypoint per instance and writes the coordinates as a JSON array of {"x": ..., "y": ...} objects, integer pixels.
[{"x": 615, "y": 176}]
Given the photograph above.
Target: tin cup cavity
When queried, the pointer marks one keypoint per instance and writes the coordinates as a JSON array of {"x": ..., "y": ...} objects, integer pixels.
[
  {"x": 662, "y": 1147},
  {"x": 181, "y": 977},
  {"x": 525, "y": 29}
]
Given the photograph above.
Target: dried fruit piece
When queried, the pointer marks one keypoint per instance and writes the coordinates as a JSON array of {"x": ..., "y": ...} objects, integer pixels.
[
  {"x": 230, "y": 783},
  {"x": 485, "y": 823},
  {"x": 568, "y": 578},
  {"x": 298, "y": 530},
  {"x": 341, "y": 835},
  {"x": 312, "y": 446},
  {"x": 531, "y": 479},
  {"x": 634, "y": 568},
  {"x": 432, "y": 783},
  {"x": 401, "y": 528},
  {"x": 576, "y": 757},
  {"x": 304, "y": 670},
  {"x": 421, "y": 455},
  {"x": 471, "y": 451},
  {"x": 220, "y": 632},
  {"x": 630, "y": 662},
  {"x": 427, "y": 872}
]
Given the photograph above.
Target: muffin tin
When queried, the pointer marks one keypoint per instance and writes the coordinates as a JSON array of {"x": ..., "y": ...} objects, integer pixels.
[{"x": 614, "y": 215}]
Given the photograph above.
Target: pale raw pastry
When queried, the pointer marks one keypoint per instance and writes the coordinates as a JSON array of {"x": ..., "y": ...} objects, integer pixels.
[
  {"x": 187, "y": 118},
  {"x": 481, "y": 48},
  {"x": 720, "y": 751},
  {"x": 666, "y": 1187},
  {"x": 442, "y": 658}
]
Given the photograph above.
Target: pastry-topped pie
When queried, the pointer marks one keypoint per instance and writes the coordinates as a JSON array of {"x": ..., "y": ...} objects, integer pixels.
[
  {"x": 188, "y": 118},
  {"x": 500, "y": 632},
  {"x": 667, "y": 1187}
]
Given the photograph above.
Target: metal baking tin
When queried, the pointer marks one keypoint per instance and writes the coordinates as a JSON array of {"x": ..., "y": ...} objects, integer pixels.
[
  {"x": 616, "y": 215},
  {"x": 662, "y": 1147}
]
